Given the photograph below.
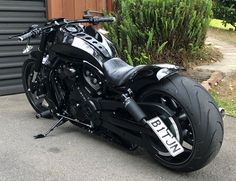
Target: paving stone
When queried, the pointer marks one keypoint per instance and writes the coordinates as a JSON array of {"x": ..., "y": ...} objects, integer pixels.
[{"x": 228, "y": 63}]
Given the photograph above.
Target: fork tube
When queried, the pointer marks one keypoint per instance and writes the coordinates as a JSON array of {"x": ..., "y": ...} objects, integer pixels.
[{"x": 42, "y": 48}]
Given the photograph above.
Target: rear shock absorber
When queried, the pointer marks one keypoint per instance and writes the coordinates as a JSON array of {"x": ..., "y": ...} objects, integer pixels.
[
  {"x": 133, "y": 108},
  {"x": 166, "y": 137}
]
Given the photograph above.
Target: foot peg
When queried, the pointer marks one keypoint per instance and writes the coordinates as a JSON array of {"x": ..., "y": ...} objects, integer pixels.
[
  {"x": 45, "y": 114},
  {"x": 57, "y": 124}
]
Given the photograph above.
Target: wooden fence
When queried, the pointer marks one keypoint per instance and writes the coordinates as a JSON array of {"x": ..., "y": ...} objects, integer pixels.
[{"x": 74, "y": 9}]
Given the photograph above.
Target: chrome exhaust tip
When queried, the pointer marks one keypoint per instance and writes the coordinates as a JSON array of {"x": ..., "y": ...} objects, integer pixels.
[{"x": 222, "y": 112}]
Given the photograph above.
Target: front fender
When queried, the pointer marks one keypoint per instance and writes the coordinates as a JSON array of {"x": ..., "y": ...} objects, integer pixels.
[{"x": 36, "y": 55}]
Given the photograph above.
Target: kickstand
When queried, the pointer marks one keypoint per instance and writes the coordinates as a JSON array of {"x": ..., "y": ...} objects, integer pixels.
[{"x": 57, "y": 124}]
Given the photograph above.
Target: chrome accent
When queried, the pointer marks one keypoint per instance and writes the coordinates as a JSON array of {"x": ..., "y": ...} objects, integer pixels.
[
  {"x": 93, "y": 67},
  {"x": 72, "y": 70},
  {"x": 28, "y": 48},
  {"x": 45, "y": 59},
  {"x": 168, "y": 66},
  {"x": 163, "y": 73},
  {"x": 41, "y": 96},
  {"x": 222, "y": 112},
  {"x": 114, "y": 19},
  {"x": 34, "y": 76},
  {"x": 21, "y": 39},
  {"x": 83, "y": 45},
  {"x": 175, "y": 128}
]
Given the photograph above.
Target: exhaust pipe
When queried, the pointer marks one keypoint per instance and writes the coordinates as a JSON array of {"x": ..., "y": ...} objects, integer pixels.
[{"x": 222, "y": 112}]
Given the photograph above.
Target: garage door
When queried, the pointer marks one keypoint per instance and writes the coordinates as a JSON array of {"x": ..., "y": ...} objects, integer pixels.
[{"x": 15, "y": 17}]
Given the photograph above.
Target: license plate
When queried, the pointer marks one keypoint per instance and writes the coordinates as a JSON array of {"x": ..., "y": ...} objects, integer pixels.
[{"x": 166, "y": 137}]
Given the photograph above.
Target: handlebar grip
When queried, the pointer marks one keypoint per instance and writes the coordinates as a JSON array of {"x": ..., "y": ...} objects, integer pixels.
[
  {"x": 103, "y": 20},
  {"x": 107, "y": 19},
  {"x": 25, "y": 36}
]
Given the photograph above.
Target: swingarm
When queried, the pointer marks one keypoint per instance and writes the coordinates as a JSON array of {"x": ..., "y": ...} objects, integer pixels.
[{"x": 156, "y": 124}]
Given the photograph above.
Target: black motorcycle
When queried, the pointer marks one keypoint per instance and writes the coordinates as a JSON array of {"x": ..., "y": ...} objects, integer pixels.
[{"x": 77, "y": 76}]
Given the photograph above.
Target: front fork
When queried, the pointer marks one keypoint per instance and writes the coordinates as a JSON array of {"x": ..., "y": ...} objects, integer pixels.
[
  {"x": 39, "y": 58},
  {"x": 38, "y": 62}
]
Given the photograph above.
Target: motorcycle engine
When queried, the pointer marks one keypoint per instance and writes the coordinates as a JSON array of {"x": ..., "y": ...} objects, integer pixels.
[{"x": 82, "y": 84}]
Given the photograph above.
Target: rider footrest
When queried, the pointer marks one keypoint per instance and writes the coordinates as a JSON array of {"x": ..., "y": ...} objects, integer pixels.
[{"x": 45, "y": 114}]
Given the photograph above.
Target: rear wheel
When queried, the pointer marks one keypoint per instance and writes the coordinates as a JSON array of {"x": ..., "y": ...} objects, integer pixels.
[
  {"x": 39, "y": 105},
  {"x": 195, "y": 121}
]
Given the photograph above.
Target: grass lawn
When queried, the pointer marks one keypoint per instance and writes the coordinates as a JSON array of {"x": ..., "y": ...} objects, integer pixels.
[
  {"x": 225, "y": 93},
  {"x": 216, "y": 23},
  {"x": 228, "y": 105}
]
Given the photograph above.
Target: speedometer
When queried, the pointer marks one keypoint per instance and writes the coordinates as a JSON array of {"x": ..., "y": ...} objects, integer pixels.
[{"x": 72, "y": 29}]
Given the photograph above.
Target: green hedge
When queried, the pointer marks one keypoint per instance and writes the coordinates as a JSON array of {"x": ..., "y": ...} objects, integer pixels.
[
  {"x": 147, "y": 31},
  {"x": 226, "y": 11}
]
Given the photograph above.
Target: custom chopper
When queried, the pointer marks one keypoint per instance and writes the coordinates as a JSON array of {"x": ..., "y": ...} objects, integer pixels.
[{"x": 76, "y": 75}]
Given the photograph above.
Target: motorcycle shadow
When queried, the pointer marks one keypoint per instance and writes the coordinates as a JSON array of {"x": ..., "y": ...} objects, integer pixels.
[{"x": 137, "y": 156}]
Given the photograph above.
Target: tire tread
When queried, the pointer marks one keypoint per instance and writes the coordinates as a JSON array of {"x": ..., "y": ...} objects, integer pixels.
[{"x": 204, "y": 115}]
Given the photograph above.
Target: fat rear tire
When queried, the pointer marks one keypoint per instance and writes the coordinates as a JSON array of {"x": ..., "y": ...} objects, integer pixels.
[{"x": 204, "y": 116}]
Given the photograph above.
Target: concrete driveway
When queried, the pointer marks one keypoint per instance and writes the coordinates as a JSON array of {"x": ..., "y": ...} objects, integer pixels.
[{"x": 71, "y": 154}]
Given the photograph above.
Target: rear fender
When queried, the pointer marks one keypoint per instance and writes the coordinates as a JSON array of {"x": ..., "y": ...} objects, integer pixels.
[{"x": 152, "y": 74}]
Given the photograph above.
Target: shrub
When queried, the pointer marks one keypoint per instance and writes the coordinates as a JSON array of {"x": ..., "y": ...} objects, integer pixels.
[
  {"x": 151, "y": 30},
  {"x": 226, "y": 11}
]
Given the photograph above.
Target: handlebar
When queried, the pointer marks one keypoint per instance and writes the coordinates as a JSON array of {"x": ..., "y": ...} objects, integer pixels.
[
  {"x": 37, "y": 31},
  {"x": 94, "y": 20},
  {"x": 104, "y": 20},
  {"x": 25, "y": 36}
]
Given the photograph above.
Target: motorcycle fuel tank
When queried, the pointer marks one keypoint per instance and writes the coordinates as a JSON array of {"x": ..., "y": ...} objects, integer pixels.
[{"x": 76, "y": 44}]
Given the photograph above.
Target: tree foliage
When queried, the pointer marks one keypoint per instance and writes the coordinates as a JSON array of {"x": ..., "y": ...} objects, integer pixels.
[{"x": 226, "y": 11}]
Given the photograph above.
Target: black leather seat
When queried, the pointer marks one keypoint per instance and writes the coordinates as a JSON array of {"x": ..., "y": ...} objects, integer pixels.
[{"x": 118, "y": 72}]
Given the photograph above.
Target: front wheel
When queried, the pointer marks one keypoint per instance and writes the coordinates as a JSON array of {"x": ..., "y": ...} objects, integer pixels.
[
  {"x": 39, "y": 104},
  {"x": 196, "y": 123}
]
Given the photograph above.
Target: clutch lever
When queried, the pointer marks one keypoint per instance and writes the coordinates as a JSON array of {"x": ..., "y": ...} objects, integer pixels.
[
  {"x": 15, "y": 36},
  {"x": 28, "y": 47},
  {"x": 34, "y": 26}
]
